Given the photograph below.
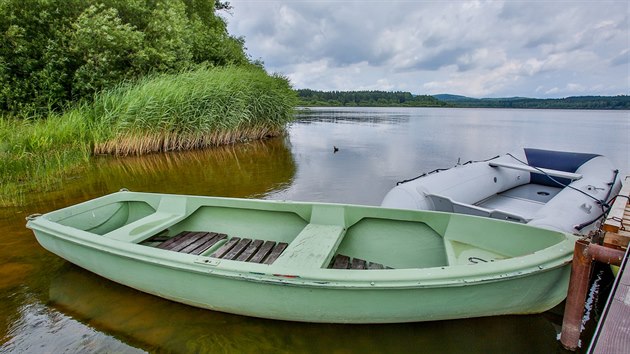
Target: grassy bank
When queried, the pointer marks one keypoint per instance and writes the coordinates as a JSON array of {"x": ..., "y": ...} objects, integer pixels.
[{"x": 194, "y": 109}]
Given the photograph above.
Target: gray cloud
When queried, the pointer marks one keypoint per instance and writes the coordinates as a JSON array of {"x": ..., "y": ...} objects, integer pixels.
[{"x": 475, "y": 48}]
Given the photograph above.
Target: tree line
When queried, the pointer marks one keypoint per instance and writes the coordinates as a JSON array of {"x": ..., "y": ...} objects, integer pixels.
[
  {"x": 577, "y": 102},
  {"x": 406, "y": 99},
  {"x": 366, "y": 98}
]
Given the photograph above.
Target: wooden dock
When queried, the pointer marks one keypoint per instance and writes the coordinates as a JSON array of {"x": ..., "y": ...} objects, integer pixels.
[{"x": 613, "y": 330}]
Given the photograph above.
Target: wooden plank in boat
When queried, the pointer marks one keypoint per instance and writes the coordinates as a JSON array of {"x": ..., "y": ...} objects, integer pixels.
[
  {"x": 276, "y": 252},
  {"x": 202, "y": 239},
  {"x": 262, "y": 252},
  {"x": 223, "y": 250},
  {"x": 158, "y": 238},
  {"x": 237, "y": 249},
  {"x": 250, "y": 250},
  {"x": 341, "y": 262},
  {"x": 373, "y": 265},
  {"x": 191, "y": 242},
  {"x": 211, "y": 242},
  {"x": 168, "y": 244},
  {"x": 358, "y": 263}
]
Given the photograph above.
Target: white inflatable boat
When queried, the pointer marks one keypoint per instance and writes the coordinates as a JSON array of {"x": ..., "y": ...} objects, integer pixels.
[{"x": 558, "y": 190}]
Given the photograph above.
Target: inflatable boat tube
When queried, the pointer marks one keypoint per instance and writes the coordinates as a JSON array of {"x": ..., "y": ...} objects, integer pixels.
[{"x": 565, "y": 191}]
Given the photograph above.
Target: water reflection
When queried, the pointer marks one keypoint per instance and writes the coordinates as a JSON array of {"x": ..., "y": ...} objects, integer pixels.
[
  {"x": 247, "y": 170},
  {"x": 56, "y": 333},
  {"x": 151, "y": 323},
  {"x": 252, "y": 169},
  {"x": 353, "y": 115}
]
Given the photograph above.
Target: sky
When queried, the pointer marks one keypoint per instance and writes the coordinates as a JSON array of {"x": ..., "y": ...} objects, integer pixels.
[{"x": 535, "y": 48}]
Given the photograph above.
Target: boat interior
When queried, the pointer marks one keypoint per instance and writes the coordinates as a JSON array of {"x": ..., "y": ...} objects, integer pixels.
[
  {"x": 519, "y": 203},
  {"x": 297, "y": 235},
  {"x": 516, "y": 204}
]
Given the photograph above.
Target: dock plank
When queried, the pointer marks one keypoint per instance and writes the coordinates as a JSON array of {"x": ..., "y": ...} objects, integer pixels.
[
  {"x": 613, "y": 332},
  {"x": 619, "y": 210}
]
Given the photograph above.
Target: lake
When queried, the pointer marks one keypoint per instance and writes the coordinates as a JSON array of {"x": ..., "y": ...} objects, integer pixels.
[{"x": 50, "y": 305}]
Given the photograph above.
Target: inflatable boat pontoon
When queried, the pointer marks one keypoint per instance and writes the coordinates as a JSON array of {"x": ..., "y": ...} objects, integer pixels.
[{"x": 558, "y": 190}]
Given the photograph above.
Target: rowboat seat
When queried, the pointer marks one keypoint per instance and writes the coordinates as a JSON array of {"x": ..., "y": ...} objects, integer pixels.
[{"x": 170, "y": 211}]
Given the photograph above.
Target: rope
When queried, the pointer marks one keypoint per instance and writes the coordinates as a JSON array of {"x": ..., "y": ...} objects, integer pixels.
[
  {"x": 443, "y": 169},
  {"x": 600, "y": 202}
]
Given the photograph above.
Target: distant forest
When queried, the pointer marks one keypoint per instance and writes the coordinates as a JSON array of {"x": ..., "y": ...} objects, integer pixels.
[
  {"x": 366, "y": 99},
  {"x": 406, "y": 99},
  {"x": 579, "y": 102}
]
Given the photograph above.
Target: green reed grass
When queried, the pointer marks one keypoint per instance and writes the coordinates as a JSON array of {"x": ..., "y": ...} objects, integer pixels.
[
  {"x": 35, "y": 153},
  {"x": 194, "y": 109},
  {"x": 190, "y": 110}
]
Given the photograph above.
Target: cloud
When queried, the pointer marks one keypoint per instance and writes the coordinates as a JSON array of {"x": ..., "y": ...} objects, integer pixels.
[
  {"x": 623, "y": 58},
  {"x": 476, "y": 48}
]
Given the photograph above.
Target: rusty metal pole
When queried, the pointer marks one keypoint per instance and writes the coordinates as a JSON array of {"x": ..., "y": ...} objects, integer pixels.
[
  {"x": 606, "y": 254},
  {"x": 578, "y": 286},
  {"x": 583, "y": 256}
]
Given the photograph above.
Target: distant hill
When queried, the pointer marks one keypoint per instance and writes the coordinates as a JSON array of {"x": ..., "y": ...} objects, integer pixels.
[
  {"x": 577, "y": 102},
  {"x": 366, "y": 99}
]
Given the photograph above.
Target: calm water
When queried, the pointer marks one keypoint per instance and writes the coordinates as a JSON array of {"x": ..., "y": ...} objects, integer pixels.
[{"x": 52, "y": 306}]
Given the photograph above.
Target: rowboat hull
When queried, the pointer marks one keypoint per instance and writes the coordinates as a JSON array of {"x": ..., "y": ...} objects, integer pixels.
[{"x": 301, "y": 290}]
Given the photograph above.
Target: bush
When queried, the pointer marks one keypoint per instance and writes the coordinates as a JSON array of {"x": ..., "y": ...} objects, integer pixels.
[{"x": 55, "y": 52}]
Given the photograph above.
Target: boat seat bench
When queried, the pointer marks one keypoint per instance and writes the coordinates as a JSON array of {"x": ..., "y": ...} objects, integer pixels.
[
  {"x": 527, "y": 168},
  {"x": 236, "y": 248}
]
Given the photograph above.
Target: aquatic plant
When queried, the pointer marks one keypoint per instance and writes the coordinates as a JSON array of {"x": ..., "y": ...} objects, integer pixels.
[
  {"x": 197, "y": 108},
  {"x": 34, "y": 153},
  {"x": 194, "y": 109}
]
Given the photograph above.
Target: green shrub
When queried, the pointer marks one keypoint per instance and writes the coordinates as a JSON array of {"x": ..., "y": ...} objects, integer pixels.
[{"x": 55, "y": 52}]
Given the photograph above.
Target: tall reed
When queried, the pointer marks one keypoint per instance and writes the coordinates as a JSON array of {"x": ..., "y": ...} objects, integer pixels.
[
  {"x": 35, "y": 153},
  {"x": 194, "y": 109}
]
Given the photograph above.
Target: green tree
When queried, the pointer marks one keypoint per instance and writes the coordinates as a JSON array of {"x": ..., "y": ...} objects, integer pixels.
[
  {"x": 54, "y": 52},
  {"x": 108, "y": 50}
]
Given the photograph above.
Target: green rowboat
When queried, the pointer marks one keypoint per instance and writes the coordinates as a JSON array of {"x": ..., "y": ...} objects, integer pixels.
[{"x": 312, "y": 262}]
